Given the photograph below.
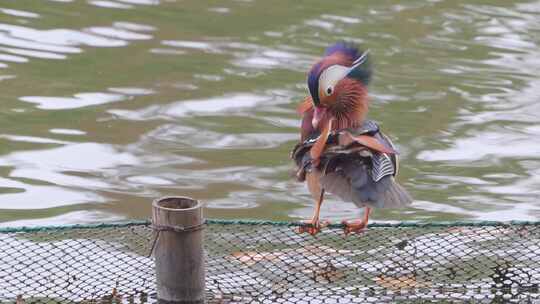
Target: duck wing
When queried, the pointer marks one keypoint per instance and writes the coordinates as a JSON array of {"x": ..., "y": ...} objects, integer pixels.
[{"x": 360, "y": 171}]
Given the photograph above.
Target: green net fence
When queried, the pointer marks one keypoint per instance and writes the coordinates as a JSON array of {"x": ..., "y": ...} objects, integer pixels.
[{"x": 268, "y": 262}]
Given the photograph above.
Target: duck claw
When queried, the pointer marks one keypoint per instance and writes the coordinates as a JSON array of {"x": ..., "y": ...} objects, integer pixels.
[
  {"x": 354, "y": 226},
  {"x": 312, "y": 227}
]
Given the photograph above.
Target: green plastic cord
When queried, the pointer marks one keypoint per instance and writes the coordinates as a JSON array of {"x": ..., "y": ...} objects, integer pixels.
[
  {"x": 76, "y": 226},
  {"x": 407, "y": 224},
  {"x": 411, "y": 224}
]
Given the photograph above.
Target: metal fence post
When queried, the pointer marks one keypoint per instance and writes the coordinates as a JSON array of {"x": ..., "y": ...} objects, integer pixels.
[{"x": 179, "y": 258}]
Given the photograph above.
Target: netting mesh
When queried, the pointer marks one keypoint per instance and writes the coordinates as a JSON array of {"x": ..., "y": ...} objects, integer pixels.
[{"x": 267, "y": 263}]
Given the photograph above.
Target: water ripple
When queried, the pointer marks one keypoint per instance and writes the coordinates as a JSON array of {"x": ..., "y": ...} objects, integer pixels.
[
  {"x": 19, "y": 13},
  {"x": 207, "y": 109},
  {"x": 110, "y": 4},
  {"x": 221, "y": 106},
  {"x": 249, "y": 55},
  {"x": 57, "y": 43},
  {"x": 77, "y": 101}
]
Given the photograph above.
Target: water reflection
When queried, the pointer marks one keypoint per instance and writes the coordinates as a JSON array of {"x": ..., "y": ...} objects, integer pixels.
[
  {"x": 30, "y": 197},
  {"x": 57, "y": 43},
  {"x": 77, "y": 101},
  {"x": 501, "y": 93},
  {"x": 249, "y": 55},
  {"x": 238, "y": 104},
  {"x": 12, "y": 58},
  {"x": 122, "y": 4},
  {"x": 19, "y": 13},
  {"x": 52, "y": 162},
  {"x": 110, "y": 4},
  {"x": 70, "y": 218},
  {"x": 67, "y": 131},
  {"x": 131, "y": 102}
]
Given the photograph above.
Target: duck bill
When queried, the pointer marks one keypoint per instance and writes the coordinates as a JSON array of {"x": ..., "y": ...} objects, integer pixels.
[{"x": 318, "y": 115}]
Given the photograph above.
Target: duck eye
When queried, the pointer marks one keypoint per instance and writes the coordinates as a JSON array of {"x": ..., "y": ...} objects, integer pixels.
[{"x": 329, "y": 91}]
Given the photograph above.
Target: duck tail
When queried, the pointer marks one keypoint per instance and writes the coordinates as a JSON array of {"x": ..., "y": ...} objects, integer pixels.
[{"x": 390, "y": 194}]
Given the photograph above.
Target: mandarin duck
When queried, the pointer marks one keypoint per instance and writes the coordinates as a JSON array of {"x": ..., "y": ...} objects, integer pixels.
[{"x": 340, "y": 152}]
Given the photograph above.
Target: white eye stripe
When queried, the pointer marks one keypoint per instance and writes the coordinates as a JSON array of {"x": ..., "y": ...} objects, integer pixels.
[
  {"x": 333, "y": 74},
  {"x": 330, "y": 77},
  {"x": 360, "y": 59}
]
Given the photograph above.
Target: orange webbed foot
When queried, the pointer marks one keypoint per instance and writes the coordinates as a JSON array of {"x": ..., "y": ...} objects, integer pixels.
[
  {"x": 312, "y": 226},
  {"x": 354, "y": 226},
  {"x": 358, "y": 225}
]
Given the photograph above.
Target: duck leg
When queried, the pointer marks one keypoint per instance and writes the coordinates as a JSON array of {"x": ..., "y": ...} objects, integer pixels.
[
  {"x": 357, "y": 226},
  {"x": 314, "y": 226}
]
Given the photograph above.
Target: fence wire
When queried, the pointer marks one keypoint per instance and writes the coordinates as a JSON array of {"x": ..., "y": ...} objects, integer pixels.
[{"x": 255, "y": 262}]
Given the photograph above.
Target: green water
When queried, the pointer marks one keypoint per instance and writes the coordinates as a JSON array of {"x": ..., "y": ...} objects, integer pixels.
[{"x": 106, "y": 105}]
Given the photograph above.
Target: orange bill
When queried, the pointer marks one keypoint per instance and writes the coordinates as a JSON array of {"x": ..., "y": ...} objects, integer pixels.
[
  {"x": 318, "y": 147},
  {"x": 304, "y": 106},
  {"x": 372, "y": 143}
]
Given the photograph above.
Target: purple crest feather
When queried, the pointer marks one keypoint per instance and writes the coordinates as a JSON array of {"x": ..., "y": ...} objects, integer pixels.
[{"x": 347, "y": 49}]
